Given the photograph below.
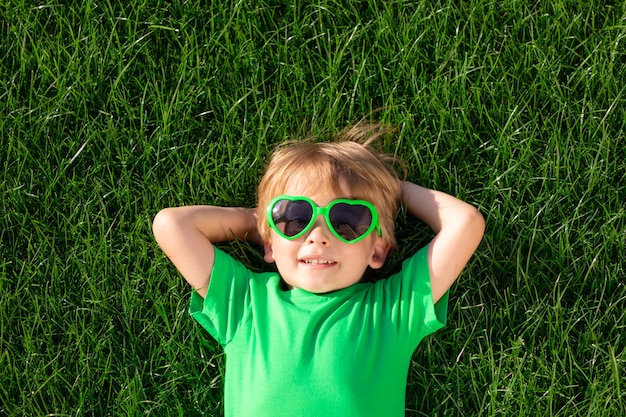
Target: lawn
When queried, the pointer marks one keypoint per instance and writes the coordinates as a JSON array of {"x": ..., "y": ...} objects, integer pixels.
[{"x": 112, "y": 110}]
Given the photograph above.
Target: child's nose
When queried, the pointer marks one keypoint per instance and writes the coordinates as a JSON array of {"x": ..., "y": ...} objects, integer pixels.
[{"x": 319, "y": 234}]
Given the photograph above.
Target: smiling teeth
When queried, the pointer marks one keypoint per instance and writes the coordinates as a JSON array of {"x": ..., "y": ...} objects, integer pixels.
[{"x": 317, "y": 262}]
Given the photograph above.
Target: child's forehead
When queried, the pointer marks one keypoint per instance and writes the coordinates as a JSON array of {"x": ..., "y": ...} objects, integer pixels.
[{"x": 317, "y": 189}]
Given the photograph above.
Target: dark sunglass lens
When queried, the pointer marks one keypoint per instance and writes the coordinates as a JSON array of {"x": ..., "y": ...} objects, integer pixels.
[
  {"x": 350, "y": 221},
  {"x": 292, "y": 217}
]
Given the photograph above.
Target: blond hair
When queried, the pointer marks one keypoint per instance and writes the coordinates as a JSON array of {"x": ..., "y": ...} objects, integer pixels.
[{"x": 348, "y": 160}]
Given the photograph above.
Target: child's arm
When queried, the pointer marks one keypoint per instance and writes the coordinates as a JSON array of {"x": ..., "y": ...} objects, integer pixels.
[
  {"x": 186, "y": 235},
  {"x": 459, "y": 227}
]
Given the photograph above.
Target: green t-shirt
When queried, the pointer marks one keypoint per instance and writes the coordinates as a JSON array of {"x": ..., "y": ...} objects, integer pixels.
[{"x": 295, "y": 353}]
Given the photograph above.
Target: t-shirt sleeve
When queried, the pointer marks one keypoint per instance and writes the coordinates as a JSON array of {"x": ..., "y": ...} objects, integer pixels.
[
  {"x": 224, "y": 308},
  {"x": 414, "y": 312}
]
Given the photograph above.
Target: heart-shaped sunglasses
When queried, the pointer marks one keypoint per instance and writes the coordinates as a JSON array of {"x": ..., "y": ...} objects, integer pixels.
[{"x": 349, "y": 220}]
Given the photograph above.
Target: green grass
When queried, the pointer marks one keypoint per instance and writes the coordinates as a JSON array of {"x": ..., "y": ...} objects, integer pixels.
[{"x": 114, "y": 110}]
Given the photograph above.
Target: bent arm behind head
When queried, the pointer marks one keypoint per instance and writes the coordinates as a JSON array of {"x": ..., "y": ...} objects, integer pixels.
[
  {"x": 458, "y": 226},
  {"x": 186, "y": 235}
]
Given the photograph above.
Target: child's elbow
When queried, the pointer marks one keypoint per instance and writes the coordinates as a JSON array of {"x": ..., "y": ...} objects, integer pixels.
[
  {"x": 476, "y": 223},
  {"x": 163, "y": 223}
]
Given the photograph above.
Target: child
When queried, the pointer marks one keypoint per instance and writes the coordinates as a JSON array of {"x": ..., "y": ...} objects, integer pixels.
[{"x": 313, "y": 339}]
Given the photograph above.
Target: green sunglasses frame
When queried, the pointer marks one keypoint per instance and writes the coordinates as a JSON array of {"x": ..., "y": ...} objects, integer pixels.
[{"x": 325, "y": 212}]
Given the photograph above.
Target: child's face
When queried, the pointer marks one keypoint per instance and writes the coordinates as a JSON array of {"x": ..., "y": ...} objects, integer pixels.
[{"x": 318, "y": 261}]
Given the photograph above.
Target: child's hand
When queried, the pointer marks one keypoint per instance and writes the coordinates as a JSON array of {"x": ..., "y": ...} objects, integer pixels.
[{"x": 253, "y": 234}]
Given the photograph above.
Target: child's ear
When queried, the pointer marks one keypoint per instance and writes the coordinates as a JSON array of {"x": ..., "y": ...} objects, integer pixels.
[
  {"x": 269, "y": 252},
  {"x": 381, "y": 250}
]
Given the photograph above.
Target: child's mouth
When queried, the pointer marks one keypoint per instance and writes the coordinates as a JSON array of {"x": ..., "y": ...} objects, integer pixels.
[{"x": 317, "y": 262}]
